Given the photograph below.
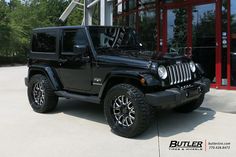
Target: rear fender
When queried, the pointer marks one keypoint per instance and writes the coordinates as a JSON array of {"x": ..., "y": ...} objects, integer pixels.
[{"x": 48, "y": 72}]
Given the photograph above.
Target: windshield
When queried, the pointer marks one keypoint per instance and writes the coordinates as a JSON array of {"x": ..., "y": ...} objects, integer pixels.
[{"x": 117, "y": 39}]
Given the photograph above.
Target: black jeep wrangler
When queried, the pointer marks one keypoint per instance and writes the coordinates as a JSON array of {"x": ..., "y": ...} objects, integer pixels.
[{"x": 109, "y": 65}]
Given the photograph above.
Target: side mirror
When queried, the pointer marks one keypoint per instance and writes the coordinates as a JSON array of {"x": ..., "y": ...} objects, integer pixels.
[{"x": 80, "y": 49}]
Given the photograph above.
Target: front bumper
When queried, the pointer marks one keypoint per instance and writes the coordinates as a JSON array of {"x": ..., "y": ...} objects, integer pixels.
[{"x": 173, "y": 97}]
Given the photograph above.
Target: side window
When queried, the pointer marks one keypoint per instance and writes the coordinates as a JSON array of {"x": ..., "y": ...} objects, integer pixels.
[
  {"x": 44, "y": 42},
  {"x": 68, "y": 41},
  {"x": 72, "y": 38}
]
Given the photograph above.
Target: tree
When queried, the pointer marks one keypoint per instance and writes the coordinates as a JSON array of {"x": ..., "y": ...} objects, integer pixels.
[
  {"x": 4, "y": 26},
  {"x": 180, "y": 29},
  {"x": 19, "y": 17}
]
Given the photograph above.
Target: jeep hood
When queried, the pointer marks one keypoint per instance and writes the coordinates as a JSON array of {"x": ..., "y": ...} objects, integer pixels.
[
  {"x": 140, "y": 61},
  {"x": 124, "y": 61}
]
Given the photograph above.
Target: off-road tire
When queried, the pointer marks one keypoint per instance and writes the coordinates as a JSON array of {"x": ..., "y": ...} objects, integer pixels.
[
  {"x": 191, "y": 106},
  {"x": 141, "y": 108},
  {"x": 50, "y": 99}
]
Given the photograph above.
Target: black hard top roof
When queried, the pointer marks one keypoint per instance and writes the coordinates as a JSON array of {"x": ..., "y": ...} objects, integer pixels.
[{"x": 70, "y": 27}]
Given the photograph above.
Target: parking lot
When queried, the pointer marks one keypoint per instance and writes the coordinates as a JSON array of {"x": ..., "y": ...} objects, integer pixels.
[{"x": 77, "y": 129}]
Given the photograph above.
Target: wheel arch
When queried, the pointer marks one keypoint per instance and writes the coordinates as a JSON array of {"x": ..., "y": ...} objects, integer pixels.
[
  {"x": 46, "y": 71},
  {"x": 118, "y": 79}
]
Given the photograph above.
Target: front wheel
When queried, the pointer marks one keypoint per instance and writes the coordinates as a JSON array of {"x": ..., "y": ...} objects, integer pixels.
[
  {"x": 191, "y": 106},
  {"x": 126, "y": 111}
]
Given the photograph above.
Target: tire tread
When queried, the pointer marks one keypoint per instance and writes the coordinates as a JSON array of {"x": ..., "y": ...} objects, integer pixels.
[
  {"x": 51, "y": 99},
  {"x": 145, "y": 110}
]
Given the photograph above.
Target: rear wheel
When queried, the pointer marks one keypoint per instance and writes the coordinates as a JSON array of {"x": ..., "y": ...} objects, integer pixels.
[
  {"x": 126, "y": 111},
  {"x": 41, "y": 95},
  {"x": 191, "y": 106}
]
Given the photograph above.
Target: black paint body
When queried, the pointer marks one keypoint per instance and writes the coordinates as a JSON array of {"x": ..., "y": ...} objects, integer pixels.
[{"x": 93, "y": 74}]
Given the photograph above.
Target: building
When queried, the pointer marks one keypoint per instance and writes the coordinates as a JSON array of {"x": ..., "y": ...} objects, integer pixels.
[{"x": 207, "y": 27}]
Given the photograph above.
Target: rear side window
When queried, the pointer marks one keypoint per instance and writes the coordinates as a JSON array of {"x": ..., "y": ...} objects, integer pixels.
[
  {"x": 44, "y": 42},
  {"x": 72, "y": 38}
]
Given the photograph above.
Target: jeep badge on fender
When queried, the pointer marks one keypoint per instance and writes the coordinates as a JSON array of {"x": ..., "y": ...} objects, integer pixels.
[{"x": 109, "y": 65}]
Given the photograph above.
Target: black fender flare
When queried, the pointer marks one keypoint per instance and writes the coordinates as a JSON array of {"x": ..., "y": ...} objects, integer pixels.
[
  {"x": 48, "y": 72},
  {"x": 150, "y": 81}
]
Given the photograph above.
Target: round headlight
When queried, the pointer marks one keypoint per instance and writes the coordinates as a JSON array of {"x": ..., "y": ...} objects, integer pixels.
[
  {"x": 192, "y": 66},
  {"x": 162, "y": 72}
]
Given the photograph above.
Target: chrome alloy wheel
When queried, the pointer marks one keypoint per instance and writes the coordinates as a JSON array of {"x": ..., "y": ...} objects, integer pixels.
[
  {"x": 39, "y": 93},
  {"x": 123, "y": 111}
]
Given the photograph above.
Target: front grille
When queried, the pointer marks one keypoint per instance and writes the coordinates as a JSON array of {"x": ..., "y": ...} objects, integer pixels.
[{"x": 179, "y": 73}]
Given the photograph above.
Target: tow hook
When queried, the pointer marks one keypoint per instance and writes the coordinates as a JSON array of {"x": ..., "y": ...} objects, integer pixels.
[{"x": 199, "y": 89}]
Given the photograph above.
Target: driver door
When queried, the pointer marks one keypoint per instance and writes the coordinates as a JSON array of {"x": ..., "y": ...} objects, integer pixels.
[{"x": 75, "y": 70}]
